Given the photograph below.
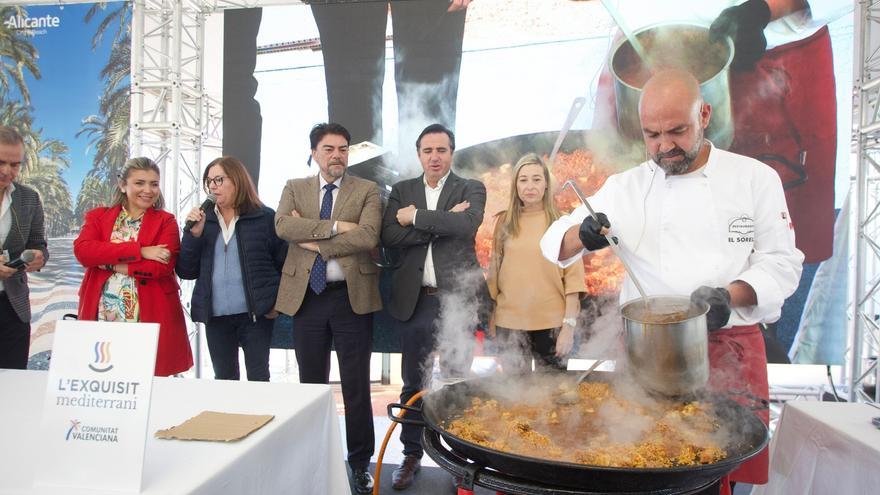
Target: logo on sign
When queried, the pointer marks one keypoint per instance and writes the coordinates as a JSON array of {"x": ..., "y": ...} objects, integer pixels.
[
  {"x": 88, "y": 433},
  {"x": 31, "y": 25},
  {"x": 741, "y": 229},
  {"x": 102, "y": 358},
  {"x": 74, "y": 426}
]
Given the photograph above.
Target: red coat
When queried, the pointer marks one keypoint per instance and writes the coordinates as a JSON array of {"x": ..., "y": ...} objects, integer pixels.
[{"x": 158, "y": 292}]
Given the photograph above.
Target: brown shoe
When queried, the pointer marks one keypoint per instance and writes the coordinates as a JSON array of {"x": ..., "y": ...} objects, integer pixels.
[{"x": 402, "y": 477}]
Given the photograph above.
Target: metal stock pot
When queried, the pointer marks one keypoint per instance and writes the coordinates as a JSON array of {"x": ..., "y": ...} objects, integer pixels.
[
  {"x": 670, "y": 358},
  {"x": 680, "y": 46}
]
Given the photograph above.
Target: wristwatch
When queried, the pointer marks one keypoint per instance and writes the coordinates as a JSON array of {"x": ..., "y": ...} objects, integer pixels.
[{"x": 572, "y": 322}]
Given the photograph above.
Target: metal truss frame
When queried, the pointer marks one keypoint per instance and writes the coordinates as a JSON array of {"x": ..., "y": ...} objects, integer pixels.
[
  {"x": 172, "y": 117},
  {"x": 864, "y": 372}
]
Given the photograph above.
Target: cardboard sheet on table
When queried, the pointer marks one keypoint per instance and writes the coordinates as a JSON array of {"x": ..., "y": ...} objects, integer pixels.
[{"x": 216, "y": 427}]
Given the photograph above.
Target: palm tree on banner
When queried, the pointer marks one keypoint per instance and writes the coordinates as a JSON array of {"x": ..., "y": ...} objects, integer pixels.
[
  {"x": 44, "y": 160},
  {"x": 94, "y": 192},
  {"x": 108, "y": 130},
  {"x": 17, "y": 54},
  {"x": 44, "y": 175}
]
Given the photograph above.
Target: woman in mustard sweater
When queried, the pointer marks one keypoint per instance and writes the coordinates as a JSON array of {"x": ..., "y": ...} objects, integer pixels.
[{"x": 536, "y": 302}]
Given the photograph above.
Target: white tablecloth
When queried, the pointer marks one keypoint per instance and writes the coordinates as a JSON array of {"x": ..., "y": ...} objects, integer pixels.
[
  {"x": 300, "y": 451},
  {"x": 824, "y": 448}
]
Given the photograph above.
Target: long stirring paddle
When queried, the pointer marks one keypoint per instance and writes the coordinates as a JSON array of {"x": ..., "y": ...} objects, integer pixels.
[
  {"x": 573, "y": 112},
  {"x": 612, "y": 242},
  {"x": 571, "y": 396}
]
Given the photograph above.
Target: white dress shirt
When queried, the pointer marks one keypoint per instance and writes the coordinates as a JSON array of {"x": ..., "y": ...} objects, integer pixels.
[
  {"x": 432, "y": 195},
  {"x": 727, "y": 221},
  {"x": 225, "y": 230},
  {"x": 5, "y": 220},
  {"x": 334, "y": 269}
]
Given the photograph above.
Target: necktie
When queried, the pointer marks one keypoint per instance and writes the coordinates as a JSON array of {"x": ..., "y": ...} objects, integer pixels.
[{"x": 318, "y": 275}]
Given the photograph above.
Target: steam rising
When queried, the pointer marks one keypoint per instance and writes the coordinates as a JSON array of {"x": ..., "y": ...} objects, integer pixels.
[
  {"x": 419, "y": 105},
  {"x": 459, "y": 316}
]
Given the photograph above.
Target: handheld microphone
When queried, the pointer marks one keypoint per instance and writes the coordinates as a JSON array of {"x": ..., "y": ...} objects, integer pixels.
[
  {"x": 207, "y": 204},
  {"x": 20, "y": 263}
]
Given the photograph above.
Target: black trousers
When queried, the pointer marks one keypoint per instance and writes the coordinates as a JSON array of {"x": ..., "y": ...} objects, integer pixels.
[
  {"x": 417, "y": 345},
  {"x": 427, "y": 58},
  {"x": 15, "y": 337},
  {"x": 328, "y": 318},
  {"x": 226, "y": 333},
  {"x": 242, "y": 135},
  {"x": 516, "y": 349}
]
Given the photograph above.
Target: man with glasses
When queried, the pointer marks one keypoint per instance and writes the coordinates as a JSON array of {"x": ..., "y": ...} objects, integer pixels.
[
  {"x": 22, "y": 237},
  {"x": 330, "y": 284}
]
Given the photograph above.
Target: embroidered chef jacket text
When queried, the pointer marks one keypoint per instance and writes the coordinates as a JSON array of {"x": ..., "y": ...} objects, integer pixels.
[{"x": 726, "y": 221}]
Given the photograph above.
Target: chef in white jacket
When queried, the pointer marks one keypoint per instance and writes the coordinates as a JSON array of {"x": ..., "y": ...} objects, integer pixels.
[{"x": 697, "y": 221}]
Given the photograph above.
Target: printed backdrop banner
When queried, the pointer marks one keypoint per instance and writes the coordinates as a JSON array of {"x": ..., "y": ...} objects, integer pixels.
[
  {"x": 71, "y": 105},
  {"x": 503, "y": 76}
]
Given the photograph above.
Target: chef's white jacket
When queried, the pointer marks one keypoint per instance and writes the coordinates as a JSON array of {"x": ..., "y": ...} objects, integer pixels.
[{"x": 726, "y": 221}]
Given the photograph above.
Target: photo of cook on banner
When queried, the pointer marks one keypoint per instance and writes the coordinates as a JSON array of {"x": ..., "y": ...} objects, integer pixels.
[
  {"x": 230, "y": 249},
  {"x": 536, "y": 301},
  {"x": 129, "y": 249},
  {"x": 774, "y": 100}
]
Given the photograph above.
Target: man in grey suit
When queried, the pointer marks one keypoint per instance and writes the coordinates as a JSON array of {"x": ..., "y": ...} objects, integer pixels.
[
  {"x": 432, "y": 220},
  {"x": 21, "y": 228},
  {"x": 330, "y": 284}
]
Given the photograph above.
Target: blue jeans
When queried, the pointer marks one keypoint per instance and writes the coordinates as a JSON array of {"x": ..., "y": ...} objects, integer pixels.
[{"x": 226, "y": 333}]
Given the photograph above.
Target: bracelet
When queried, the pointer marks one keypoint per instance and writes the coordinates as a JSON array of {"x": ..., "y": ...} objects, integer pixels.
[{"x": 572, "y": 322}]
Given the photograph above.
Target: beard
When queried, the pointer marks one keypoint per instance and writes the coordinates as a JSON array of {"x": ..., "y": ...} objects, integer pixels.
[
  {"x": 336, "y": 169},
  {"x": 683, "y": 165}
]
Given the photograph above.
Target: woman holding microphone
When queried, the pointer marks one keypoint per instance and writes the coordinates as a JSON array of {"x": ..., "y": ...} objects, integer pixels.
[{"x": 234, "y": 256}]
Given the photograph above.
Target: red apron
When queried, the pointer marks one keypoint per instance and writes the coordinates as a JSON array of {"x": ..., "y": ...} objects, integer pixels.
[
  {"x": 785, "y": 115},
  {"x": 738, "y": 362}
]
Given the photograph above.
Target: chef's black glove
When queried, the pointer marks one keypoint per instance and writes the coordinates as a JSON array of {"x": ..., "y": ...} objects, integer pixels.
[
  {"x": 745, "y": 24},
  {"x": 589, "y": 233},
  {"x": 718, "y": 300}
]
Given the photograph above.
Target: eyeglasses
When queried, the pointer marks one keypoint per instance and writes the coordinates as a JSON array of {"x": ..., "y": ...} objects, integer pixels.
[{"x": 217, "y": 181}]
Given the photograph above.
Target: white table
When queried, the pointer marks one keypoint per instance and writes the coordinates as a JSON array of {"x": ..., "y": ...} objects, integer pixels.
[
  {"x": 824, "y": 448},
  {"x": 300, "y": 451}
]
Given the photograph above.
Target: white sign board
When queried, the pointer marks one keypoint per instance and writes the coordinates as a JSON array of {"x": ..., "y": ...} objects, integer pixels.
[{"x": 97, "y": 405}]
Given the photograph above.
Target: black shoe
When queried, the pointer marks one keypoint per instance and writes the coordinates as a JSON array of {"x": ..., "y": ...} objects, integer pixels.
[{"x": 363, "y": 480}]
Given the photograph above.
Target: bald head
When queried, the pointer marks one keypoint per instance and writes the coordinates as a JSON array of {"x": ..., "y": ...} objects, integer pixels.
[
  {"x": 673, "y": 117},
  {"x": 673, "y": 87}
]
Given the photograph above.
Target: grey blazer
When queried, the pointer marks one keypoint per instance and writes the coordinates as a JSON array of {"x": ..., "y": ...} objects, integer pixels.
[
  {"x": 453, "y": 236},
  {"x": 27, "y": 232}
]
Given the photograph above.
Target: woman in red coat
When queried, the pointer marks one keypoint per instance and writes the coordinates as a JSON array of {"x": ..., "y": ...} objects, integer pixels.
[{"x": 129, "y": 251}]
